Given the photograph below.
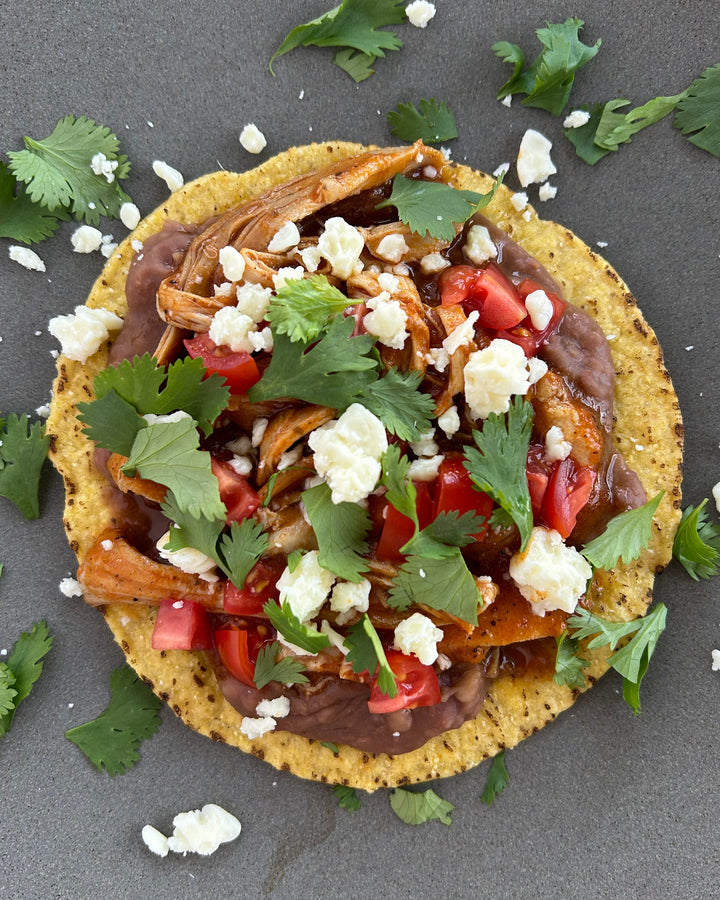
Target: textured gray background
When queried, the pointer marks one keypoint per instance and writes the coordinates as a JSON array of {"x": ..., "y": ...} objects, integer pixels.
[{"x": 600, "y": 804}]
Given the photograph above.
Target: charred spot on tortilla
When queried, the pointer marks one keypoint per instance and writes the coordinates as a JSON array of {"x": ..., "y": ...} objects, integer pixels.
[{"x": 495, "y": 678}]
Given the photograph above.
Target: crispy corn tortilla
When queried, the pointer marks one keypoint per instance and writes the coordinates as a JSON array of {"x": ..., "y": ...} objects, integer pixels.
[{"x": 515, "y": 707}]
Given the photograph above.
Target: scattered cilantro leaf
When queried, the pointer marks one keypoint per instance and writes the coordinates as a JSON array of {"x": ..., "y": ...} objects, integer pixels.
[
  {"x": 167, "y": 452},
  {"x": 341, "y": 530},
  {"x": 354, "y": 25},
  {"x": 347, "y": 797},
  {"x": 497, "y": 467},
  {"x": 20, "y": 218},
  {"x": 432, "y": 123},
  {"x": 698, "y": 117},
  {"x": 25, "y": 663},
  {"x": 444, "y": 584},
  {"x": 401, "y": 491},
  {"x": 616, "y": 128},
  {"x": 7, "y": 695},
  {"x": 330, "y": 372},
  {"x": 632, "y": 660},
  {"x": 547, "y": 81},
  {"x": 697, "y": 543},
  {"x": 359, "y": 66},
  {"x": 328, "y": 745},
  {"x": 197, "y": 532},
  {"x": 57, "y": 170},
  {"x": 583, "y": 138},
  {"x": 568, "y": 665},
  {"x": 497, "y": 779},
  {"x": 403, "y": 409},
  {"x": 23, "y": 450},
  {"x": 111, "y": 741},
  {"x": 241, "y": 549},
  {"x": 293, "y": 560},
  {"x": 419, "y": 807},
  {"x": 304, "y": 307},
  {"x": 293, "y": 630},
  {"x": 446, "y": 532},
  {"x": 367, "y": 655},
  {"x": 625, "y": 537},
  {"x": 431, "y": 207},
  {"x": 111, "y": 422},
  {"x": 268, "y": 668}
]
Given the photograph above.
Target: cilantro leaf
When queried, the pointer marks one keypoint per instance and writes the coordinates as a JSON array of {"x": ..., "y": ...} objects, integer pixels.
[
  {"x": 568, "y": 665},
  {"x": 58, "y": 173},
  {"x": 403, "y": 409},
  {"x": 111, "y": 741},
  {"x": 293, "y": 630},
  {"x": 497, "y": 780},
  {"x": 625, "y": 537},
  {"x": 431, "y": 207},
  {"x": 357, "y": 65},
  {"x": 444, "y": 584},
  {"x": 286, "y": 670},
  {"x": 401, "y": 491},
  {"x": 303, "y": 307},
  {"x": 583, "y": 138},
  {"x": 353, "y": 24},
  {"x": 167, "y": 452},
  {"x": 7, "y": 694},
  {"x": 197, "y": 532},
  {"x": 698, "y": 117},
  {"x": 498, "y": 465},
  {"x": 432, "y": 123},
  {"x": 447, "y": 531},
  {"x": 23, "y": 449},
  {"x": 241, "y": 549},
  {"x": 697, "y": 543},
  {"x": 20, "y": 218},
  {"x": 632, "y": 660},
  {"x": 547, "y": 81},
  {"x": 347, "y": 797},
  {"x": 22, "y": 669},
  {"x": 367, "y": 655},
  {"x": 341, "y": 530},
  {"x": 419, "y": 807},
  {"x": 111, "y": 422},
  {"x": 330, "y": 372},
  {"x": 618, "y": 128},
  {"x": 333, "y": 748}
]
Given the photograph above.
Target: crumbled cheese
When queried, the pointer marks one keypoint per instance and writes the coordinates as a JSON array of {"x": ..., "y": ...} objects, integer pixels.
[
  {"x": 232, "y": 262},
  {"x": 462, "y": 334},
  {"x": 392, "y": 248},
  {"x": 549, "y": 574},
  {"x": 449, "y": 421},
  {"x": 493, "y": 375},
  {"x": 556, "y": 447},
  {"x": 341, "y": 245},
  {"x": 203, "y": 830},
  {"x": 519, "y": 200},
  {"x": 253, "y": 300},
  {"x": 716, "y": 495},
  {"x": 256, "y": 728},
  {"x": 418, "y": 635},
  {"x": 433, "y": 262},
  {"x": 389, "y": 282},
  {"x": 576, "y": 119},
  {"x": 26, "y": 257},
  {"x": 401, "y": 269},
  {"x": 387, "y": 320},
  {"x": 172, "y": 178},
  {"x": 602, "y": 244},
  {"x": 129, "y": 215},
  {"x": 164, "y": 418},
  {"x": 188, "y": 559},
  {"x": 479, "y": 246},
  {"x": 533, "y": 162},
  {"x": 425, "y": 469},
  {"x": 277, "y": 708},
  {"x": 261, "y": 340},
  {"x": 507, "y": 100},
  {"x": 240, "y": 445},
  {"x": 289, "y": 458},
  {"x": 258, "y": 430},
  {"x": 108, "y": 247},
  {"x": 547, "y": 191},
  {"x": 232, "y": 328},
  {"x": 716, "y": 660},
  {"x": 307, "y": 587},
  {"x": 243, "y": 465},
  {"x": 425, "y": 445},
  {"x": 540, "y": 308},
  {"x": 287, "y": 273},
  {"x": 439, "y": 357},
  {"x": 155, "y": 841},
  {"x": 336, "y": 639},
  {"x": 348, "y": 451},
  {"x": 82, "y": 333},
  {"x": 286, "y": 237},
  {"x": 348, "y": 598},
  {"x": 502, "y": 169},
  {"x": 101, "y": 165},
  {"x": 106, "y": 544},
  {"x": 311, "y": 257},
  {"x": 420, "y": 12},
  {"x": 69, "y": 587},
  {"x": 252, "y": 139},
  {"x": 86, "y": 239},
  {"x": 527, "y": 215},
  {"x": 537, "y": 368}
]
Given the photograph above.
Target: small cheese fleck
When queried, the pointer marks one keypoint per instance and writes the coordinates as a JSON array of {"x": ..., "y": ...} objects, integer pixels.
[
  {"x": 387, "y": 321},
  {"x": 716, "y": 660},
  {"x": 502, "y": 169},
  {"x": 556, "y": 447},
  {"x": 425, "y": 469},
  {"x": 549, "y": 574},
  {"x": 101, "y": 165},
  {"x": 252, "y": 139},
  {"x": 69, "y": 587},
  {"x": 519, "y": 200},
  {"x": 258, "y": 430},
  {"x": 425, "y": 445},
  {"x": 307, "y": 587},
  {"x": 311, "y": 257},
  {"x": 83, "y": 332},
  {"x": 533, "y": 162},
  {"x": 86, "y": 239},
  {"x": 389, "y": 282},
  {"x": 462, "y": 334},
  {"x": 507, "y": 100},
  {"x": 420, "y": 12},
  {"x": 547, "y": 191},
  {"x": 285, "y": 274},
  {"x": 256, "y": 728},
  {"x": 106, "y": 544},
  {"x": 479, "y": 246},
  {"x": 449, "y": 421},
  {"x": 187, "y": 559},
  {"x": 278, "y": 708},
  {"x": 418, "y": 635},
  {"x": 26, "y": 257},
  {"x": 716, "y": 495},
  {"x": 155, "y": 840},
  {"x": 493, "y": 375},
  {"x": 392, "y": 248},
  {"x": 540, "y": 308},
  {"x": 348, "y": 598},
  {"x": 129, "y": 215},
  {"x": 576, "y": 119},
  {"x": 203, "y": 830},
  {"x": 172, "y": 178},
  {"x": 433, "y": 262},
  {"x": 232, "y": 262},
  {"x": 284, "y": 238}
]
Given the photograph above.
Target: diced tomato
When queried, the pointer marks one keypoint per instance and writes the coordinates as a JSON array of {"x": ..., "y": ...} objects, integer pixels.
[
  {"x": 236, "y": 493},
  {"x": 398, "y": 529},
  {"x": 525, "y": 335},
  {"x": 238, "y": 649},
  {"x": 538, "y": 474},
  {"x": 456, "y": 491},
  {"x": 181, "y": 625},
  {"x": 260, "y": 586},
  {"x": 239, "y": 369},
  {"x": 568, "y": 490},
  {"x": 486, "y": 290},
  {"x": 417, "y": 684},
  {"x": 455, "y": 283}
]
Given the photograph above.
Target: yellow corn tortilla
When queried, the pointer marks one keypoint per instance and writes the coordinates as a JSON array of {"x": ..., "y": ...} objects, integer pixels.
[{"x": 515, "y": 707}]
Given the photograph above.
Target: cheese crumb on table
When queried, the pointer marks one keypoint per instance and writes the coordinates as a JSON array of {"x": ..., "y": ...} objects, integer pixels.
[
  {"x": 533, "y": 162},
  {"x": 716, "y": 495},
  {"x": 252, "y": 139},
  {"x": 203, "y": 830},
  {"x": 86, "y": 239},
  {"x": 716, "y": 660},
  {"x": 576, "y": 119},
  {"x": 26, "y": 257},
  {"x": 69, "y": 587},
  {"x": 420, "y": 12},
  {"x": 172, "y": 178},
  {"x": 129, "y": 215}
]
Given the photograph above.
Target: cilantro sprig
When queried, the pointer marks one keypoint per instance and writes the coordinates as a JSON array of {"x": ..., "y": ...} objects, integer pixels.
[
  {"x": 419, "y": 807},
  {"x": 341, "y": 530},
  {"x": 21, "y": 219},
  {"x": 293, "y": 630},
  {"x": 111, "y": 741},
  {"x": 396, "y": 400},
  {"x": 366, "y": 653},
  {"x": 625, "y": 537},
  {"x": 304, "y": 307},
  {"x": 697, "y": 112},
  {"x": 433, "y": 123},
  {"x": 347, "y": 797},
  {"x": 497, "y": 779},
  {"x": 444, "y": 584},
  {"x": 23, "y": 450},
  {"x": 285, "y": 670},
  {"x": 697, "y": 543},
  {"x": 22, "y": 669}
]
